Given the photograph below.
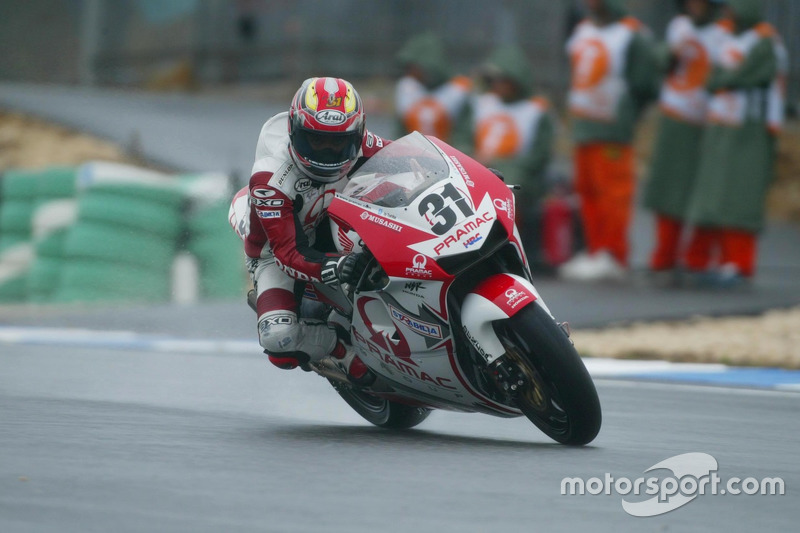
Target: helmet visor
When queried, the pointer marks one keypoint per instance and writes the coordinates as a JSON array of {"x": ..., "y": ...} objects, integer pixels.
[{"x": 326, "y": 150}]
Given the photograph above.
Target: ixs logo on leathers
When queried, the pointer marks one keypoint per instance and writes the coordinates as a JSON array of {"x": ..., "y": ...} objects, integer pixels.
[{"x": 692, "y": 475}]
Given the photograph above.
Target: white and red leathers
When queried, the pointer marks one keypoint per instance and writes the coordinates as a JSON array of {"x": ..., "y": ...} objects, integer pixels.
[{"x": 286, "y": 207}]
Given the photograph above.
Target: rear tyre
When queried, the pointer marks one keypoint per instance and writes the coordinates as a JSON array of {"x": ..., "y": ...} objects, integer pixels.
[
  {"x": 559, "y": 396},
  {"x": 379, "y": 411}
]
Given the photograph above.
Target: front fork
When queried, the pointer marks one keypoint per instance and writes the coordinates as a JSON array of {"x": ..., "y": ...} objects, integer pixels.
[
  {"x": 499, "y": 297},
  {"x": 511, "y": 375},
  {"x": 507, "y": 376}
]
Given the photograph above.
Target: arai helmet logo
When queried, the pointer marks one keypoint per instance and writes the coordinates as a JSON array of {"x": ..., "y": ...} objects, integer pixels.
[{"x": 330, "y": 117}]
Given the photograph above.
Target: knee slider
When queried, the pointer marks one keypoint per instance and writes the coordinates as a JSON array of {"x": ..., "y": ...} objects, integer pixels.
[
  {"x": 278, "y": 332},
  {"x": 277, "y": 335},
  {"x": 287, "y": 360}
]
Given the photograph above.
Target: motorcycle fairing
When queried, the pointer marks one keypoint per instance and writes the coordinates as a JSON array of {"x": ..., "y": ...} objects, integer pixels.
[{"x": 400, "y": 330}]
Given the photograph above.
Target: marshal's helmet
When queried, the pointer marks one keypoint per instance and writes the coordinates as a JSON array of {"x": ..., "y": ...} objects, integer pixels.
[{"x": 326, "y": 128}]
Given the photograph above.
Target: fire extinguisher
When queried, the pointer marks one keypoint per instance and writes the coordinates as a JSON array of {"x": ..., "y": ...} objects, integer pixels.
[{"x": 558, "y": 228}]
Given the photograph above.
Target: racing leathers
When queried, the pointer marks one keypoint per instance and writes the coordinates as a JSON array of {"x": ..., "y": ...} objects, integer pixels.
[{"x": 285, "y": 209}]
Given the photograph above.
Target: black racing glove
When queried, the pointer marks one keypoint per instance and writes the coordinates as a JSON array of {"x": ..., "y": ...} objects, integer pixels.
[{"x": 344, "y": 269}]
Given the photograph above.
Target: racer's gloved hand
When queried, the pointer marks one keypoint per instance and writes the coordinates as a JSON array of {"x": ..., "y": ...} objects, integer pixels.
[{"x": 345, "y": 269}]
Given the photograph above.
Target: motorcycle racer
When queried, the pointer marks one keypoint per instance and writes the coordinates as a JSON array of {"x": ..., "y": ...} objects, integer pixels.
[{"x": 302, "y": 160}]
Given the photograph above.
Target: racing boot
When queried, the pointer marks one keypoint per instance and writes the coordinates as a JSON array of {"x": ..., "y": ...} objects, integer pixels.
[{"x": 357, "y": 372}]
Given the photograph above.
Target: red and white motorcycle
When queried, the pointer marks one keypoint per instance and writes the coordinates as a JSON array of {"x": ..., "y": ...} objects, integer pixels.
[{"x": 446, "y": 316}]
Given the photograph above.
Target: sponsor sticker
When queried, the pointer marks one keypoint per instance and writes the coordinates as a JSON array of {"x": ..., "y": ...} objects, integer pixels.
[
  {"x": 418, "y": 269},
  {"x": 414, "y": 288},
  {"x": 262, "y": 193},
  {"x": 268, "y": 214},
  {"x": 303, "y": 185},
  {"x": 267, "y": 202},
  {"x": 464, "y": 232},
  {"x": 474, "y": 342},
  {"x": 330, "y": 117},
  {"x": 366, "y": 215},
  {"x": 294, "y": 273},
  {"x": 515, "y": 298},
  {"x": 278, "y": 320},
  {"x": 345, "y": 242},
  {"x": 462, "y": 171},
  {"x": 283, "y": 176},
  {"x": 502, "y": 204},
  {"x": 472, "y": 240},
  {"x": 423, "y": 328}
]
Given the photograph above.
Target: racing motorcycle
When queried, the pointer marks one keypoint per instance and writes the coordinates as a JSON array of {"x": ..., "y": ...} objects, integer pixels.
[{"x": 446, "y": 315}]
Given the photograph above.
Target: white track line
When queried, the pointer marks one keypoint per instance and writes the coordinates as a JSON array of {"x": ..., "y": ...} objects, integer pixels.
[{"x": 609, "y": 370}]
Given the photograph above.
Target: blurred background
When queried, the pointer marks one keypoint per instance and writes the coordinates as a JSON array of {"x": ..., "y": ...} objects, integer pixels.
[
  {"x": 196, "y": 43},
  {"x": 133, "y": 391},
  {"x": 178, "y": 89}
]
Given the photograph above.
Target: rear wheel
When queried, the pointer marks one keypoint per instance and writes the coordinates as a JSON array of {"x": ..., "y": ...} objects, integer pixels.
[
  {"x": 379, "y": 411},
  {"x": 558, "y": 395}
]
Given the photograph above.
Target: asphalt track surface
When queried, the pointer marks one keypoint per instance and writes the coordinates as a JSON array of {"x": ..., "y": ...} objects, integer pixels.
[
  {"x": 103, "y": 439},
  {"x": 117, "y": 439}
]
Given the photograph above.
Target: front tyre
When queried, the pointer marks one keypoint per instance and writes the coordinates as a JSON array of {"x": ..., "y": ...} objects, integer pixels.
[
  {"x": 558, "y": 394},
  {"x": 379, "y": 411}
]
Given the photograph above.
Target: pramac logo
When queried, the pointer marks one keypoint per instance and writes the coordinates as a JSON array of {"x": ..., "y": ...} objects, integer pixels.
[
  {"x": 514, "y": 298},
  {"x": 419, "y": 269}
]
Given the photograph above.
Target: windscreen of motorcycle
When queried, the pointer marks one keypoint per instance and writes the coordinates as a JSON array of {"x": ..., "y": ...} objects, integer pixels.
[{"x": 399, "y": 173}]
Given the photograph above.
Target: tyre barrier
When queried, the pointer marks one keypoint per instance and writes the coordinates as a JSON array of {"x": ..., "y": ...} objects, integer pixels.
[
  {"x": 20, "y": 184},
  {"x": 55, "y": 213},
  {"x": 43, "y": 279},
  {"x": 17, "y": 191},
  {"x": 56, "y": 182},
  {"x": 15, "y": 262},
  {"x": 111, "y": 232},
  {"x": 14, "y": 289},
  {"x": 218, "y": 250},
  {"x": 91, "y": 281},
  {"x": 147, "y": 217}
]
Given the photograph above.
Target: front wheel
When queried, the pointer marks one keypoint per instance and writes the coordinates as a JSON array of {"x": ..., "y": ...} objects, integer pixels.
[
  {"x": 379, "y": 411},
  {"x": 558, "y": 395}
]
